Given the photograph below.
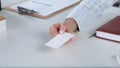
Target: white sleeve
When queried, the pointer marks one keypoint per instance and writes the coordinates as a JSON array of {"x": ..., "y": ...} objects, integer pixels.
[{"x": 88, "y": 10}]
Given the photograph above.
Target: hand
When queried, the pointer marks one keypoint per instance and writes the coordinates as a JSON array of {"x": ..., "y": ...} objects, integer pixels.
[{"x": 69, "y": 25}]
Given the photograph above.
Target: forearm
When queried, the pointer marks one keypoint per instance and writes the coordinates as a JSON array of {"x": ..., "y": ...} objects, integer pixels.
[{"x": 88, "y": 10}]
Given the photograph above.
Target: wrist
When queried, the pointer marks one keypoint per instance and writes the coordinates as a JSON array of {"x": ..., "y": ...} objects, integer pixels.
[{"x": 72, "y": 24}]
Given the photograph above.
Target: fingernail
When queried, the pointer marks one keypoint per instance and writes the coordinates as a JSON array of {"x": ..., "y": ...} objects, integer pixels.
[
  {"x": 74, "y": 38},
  {"x": 61, "y": 31}
]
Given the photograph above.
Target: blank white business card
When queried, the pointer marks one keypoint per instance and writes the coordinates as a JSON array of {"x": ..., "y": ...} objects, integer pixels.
[{"x": 59, "y": 40}]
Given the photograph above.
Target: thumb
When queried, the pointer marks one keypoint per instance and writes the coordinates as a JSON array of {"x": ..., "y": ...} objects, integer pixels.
[{"x": 62, "y": 29}]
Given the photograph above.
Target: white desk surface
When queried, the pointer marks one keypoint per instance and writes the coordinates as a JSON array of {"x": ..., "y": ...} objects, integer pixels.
[{"x": 26, "y": 36}]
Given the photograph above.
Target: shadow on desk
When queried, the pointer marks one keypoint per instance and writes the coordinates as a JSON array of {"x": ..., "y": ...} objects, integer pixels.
[{"x": 45, "y": 38}]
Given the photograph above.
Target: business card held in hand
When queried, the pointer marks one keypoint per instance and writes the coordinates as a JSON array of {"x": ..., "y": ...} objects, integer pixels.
[{"x": 59, "y": 40}]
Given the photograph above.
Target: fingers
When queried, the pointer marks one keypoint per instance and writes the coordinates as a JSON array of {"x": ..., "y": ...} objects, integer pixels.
[
  {"x": 74, "y": 38},
  {"x": 62, "y": 29},
  {"x": 54, "y": 29}
]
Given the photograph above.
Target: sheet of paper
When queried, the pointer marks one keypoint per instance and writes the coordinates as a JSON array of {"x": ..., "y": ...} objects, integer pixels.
[
  {"x": 45, "y": 7},
  {"x": 59, "y": 40}
]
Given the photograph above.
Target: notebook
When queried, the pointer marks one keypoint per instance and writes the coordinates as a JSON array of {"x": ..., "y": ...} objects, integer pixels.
[
  {"x": 44, "y": 8},
  {"x": 110, "y": 30}
]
